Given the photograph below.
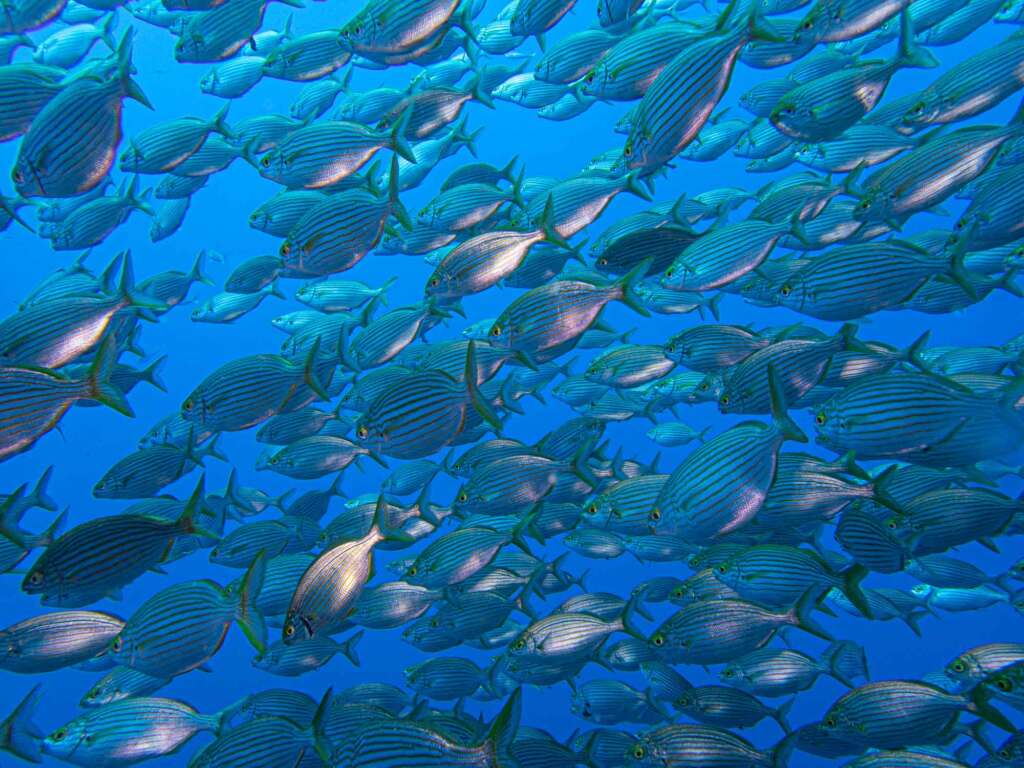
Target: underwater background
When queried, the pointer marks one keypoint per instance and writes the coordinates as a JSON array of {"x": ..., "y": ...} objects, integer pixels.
[{"x": 90, "y": 439}]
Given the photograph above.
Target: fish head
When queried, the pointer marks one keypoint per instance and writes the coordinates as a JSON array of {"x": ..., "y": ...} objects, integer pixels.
[
  {"x": 189, "y": 46},
  {"x": 361, "y": 32},
  {"x": 677, "y": 276},
  {"x": 66, "y": 740},
  {"x": 130, "y": 158},
  {"x": 28, "y": 174},
  {"x": 644, "y": 751},
  {"x": 270, "y": 461},
  {"x": 594, "y": 81},
  {"x": 111, "y": 484},
  {"x": 273, "y": 165},
  {"x": 791, "y": 114},
  {"x": 441, "y": 284},
  {"x": 419, "y": 571},
  {"x": 924, "y": 111},
  {"x": 123, "y": 649},
  {"x": 502, "y": 333},
  {"x": 710, "y": 389},
  {"x": 209, "y": 82},
  {"x": 260, "y": 219},
  {"x": 815, "y": 25},
  {"x": 203, "y": 312},
  {"x": 964, "y": 669},
  {"x": 792, "y": 293},
  {"x": 921, "y": 592},
  {"x": 872, "y": 206},
  {"x": 1010, "y": 12}
]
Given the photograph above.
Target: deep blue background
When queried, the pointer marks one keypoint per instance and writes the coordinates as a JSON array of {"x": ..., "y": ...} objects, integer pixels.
[{"x": 93, "y": 438}]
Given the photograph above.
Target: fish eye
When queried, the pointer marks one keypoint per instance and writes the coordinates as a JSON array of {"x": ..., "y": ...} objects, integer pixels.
[
  {"x": 638, "y": 753},
  {"x": 891, "y": 523},
  {"x": 1004, "y": 754},
  {"x": 518, "y": 645},
  {"x": 463, "y": 497},
  {"x": 831, "y": 722},
  {"x": 808, "y": 25},
  {"x": 592, "y": 509},
  {"x": 820, "y": 418},
  {"x": 362, "y": 433},
  {"x": 723, "y": 568},
  {"x": 18, "y": 177},
  {"x": 496, "y": 331},
  {"x": 959, "y": 666},
  {"x": 117, "y": 645},
  {"x": 434, "y": 282},
  {"x": 412, "y": 570},
  {"x": 265, "y": 162},
  {"x": 1004, "y": 684},
  {"x": 285, "y": 249},
  {"x": 35, "y": 578},
  {"x": 59, "y": 734},
  {"x": 602, "y": 262},
  {"x": 187, "y": 405},
  {"x": 786, "y": 290},
  {"x": 703, "y": 386},
  {"x": 727, "y": 673},
  {"x": 723, "y": 400},
  {"x": 655, "y": 515},
  {"x": 658, "y": 640},
  {"x": 289, "y": 631}
]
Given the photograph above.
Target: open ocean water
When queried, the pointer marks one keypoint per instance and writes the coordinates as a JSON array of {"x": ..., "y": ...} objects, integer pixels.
[{"x": 90, "y": 440}]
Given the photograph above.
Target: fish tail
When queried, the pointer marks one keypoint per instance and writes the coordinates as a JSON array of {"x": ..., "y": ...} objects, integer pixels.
[
  {"x": 195, "y": 274},
  {"x": 210, "y": 449},
  {"x": 398, "y": 141},
  {"x": 627, "y": 285},
  {"x": 712, "y": 305},
  {"x": 846, "y": 661},
  {"x": 220, "y": 124},
  {"x": 99, "y": 386},
  {"x": 477, "y": 400},
  {"x": 107, "y": 31},
  {"x": 852, "y": 577},
  {"x": 634, "y": 186},
  {"x": 309, "y": 373},
  {"x": 125, "y": 69},
  {"x": 549, "y": 225},
  {"x": 502, "y": 730},
  {"x": 781, "y": 752},
  {"x": 913, "y": 352},
  {"x": 320, "y": 743},
  {"x": 248, "y": 616},
  {"x": 151, "y": 373},
  {"x": 20, "y": 736},
  {"x": 780, "y": 715},
  {"x": 39, "y": 496},
  {"x": 911, "y": 54},
  {"x": 629, "y": 625},
  {"x": 789, "y": 428},
  {"x": 759, "y": 28},
  {"x": 10, "y": 207},
  {"x": 348, "y": 648},
  {"x": 397, "y": 209},
  {"x": 53, "y": 532},
  {"x": 800, "y": 616},
  {"x": 979, "y": 705}
]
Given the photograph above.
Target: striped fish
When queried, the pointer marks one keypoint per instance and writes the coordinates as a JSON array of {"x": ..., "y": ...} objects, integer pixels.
[
  {"x": 940, "y": 423},
  {"x": 891, "y": 713},
  {"x": 340, "y": 295},
  {"x": 625, "y": 506},
  {"x": 721, "y": 485},
  {"x": 720, "y": 631},
  {"x": 728, "y": 707},
  {"x": 445, "y": 678},
  {"x": 392, "y": 604},
  {"x": 397, "y": 26},
  {"x": 831, "y": 21},
  {"x": 308, "y": 656},
  {"x": 458, "y": 555},
  {"x": 183, "y": 626},
  {"x": 556, "y": 314},
  {"x": 282, "y": 212},
  {"x": 308, "y": 57},
  {"x": 708, "y": 347},
  {"x": 55, "y": 640},
  {"x": 71, "y": 144},
  {"x": 782, "y": 672},
  {"x": 332, "y": 584},
  {"x": 930, "y": 173},
  {"x": 221, "y": 32},
  {"x": 164, "y": 146},
  {"x": 280, "y": 536},
  {"x": 128, "y": 731},
  {"x": 146, "y": 471},
  {"x": 313, "y": 457},
  {"x": 386, "y": 336},
  {"x": 630, "y": 366},
  {"x": 268, "y": 741},
  {"x": 250, "y": 390},
  {"x": 863, "y": 145},
  {"x": 336, "y": 234},
  {"x": 399, "y": 743},
  {"x": 799, "y": 365},
  {"x": 100, "y": 556},
  {"x": 976, "y": 664},
  {"x": 327, "y": 152},
  {"x": 122, "y": 683},
  {"x": 573, "y": 56},
  {"x": 688, "y": 745},
  {"x": 233, "y": 78},
  {"x": 945, "y": 518},
  {"x": 856, "y": 280},
  {"x": 681, "y": 99}
]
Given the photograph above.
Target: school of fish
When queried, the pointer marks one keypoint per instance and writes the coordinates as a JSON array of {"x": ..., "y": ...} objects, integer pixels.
[{"x": 861, "y": 482}]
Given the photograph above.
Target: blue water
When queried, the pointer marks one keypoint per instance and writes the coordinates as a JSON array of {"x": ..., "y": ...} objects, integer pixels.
[{"x": 91, "y": 439}]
